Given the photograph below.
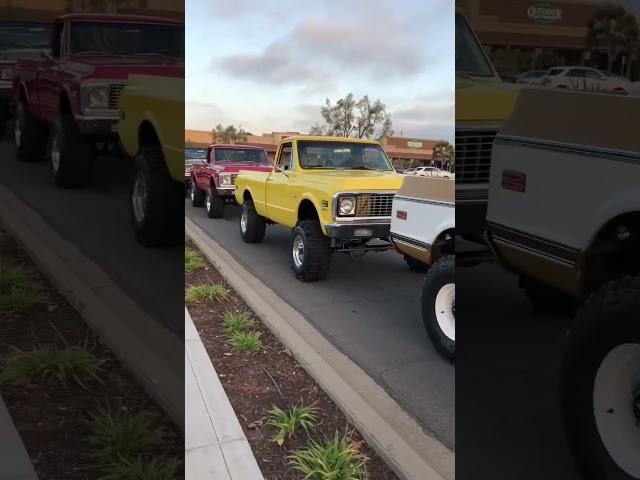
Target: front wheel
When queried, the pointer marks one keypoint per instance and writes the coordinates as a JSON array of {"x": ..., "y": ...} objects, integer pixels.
[
  {"x": 439, "y": 306},
  {"x": 600, "y": 384},
  {"x": 213, "y": 204},
  {"x": 155, "y": 205},
  {"x": 252, "y": 225},
  {"x": 70, "y": 155},
  {"x": 310, "y": 251}
]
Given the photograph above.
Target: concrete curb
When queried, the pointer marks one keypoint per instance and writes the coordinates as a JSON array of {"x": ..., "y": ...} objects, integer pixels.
[
  {"x": 15, "y": 461},
  {"x": 395, "y": 436},
  {"x": 215, "y": 444},
  {"x": 151, "y": 353}
]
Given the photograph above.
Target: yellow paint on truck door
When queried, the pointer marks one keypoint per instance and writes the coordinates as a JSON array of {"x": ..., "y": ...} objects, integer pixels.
[{"x": 279, "y": 190}]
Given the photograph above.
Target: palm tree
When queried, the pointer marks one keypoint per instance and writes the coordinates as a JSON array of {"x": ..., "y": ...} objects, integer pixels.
[
  {"x": 443, "y": 152},
  {"x": 613, "y": 30}
]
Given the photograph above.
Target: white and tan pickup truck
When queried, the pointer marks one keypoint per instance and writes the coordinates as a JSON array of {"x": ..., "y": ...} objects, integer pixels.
[
  {"x": 423, "y": 230},
  {"x": 564, "y": 214}
]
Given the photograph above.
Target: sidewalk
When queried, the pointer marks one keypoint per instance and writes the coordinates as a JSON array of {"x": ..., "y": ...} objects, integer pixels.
[
  {"x": 215, "y": 445},
  {"x": 15, "y": 461}
]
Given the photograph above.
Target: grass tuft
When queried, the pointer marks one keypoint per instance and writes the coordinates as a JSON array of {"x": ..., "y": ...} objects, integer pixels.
[
  {"x": 158, "y": 468},
  {"x": 14, "y": 277},
  {"x": 289, "y": 421},
  {"x": 50, "y": 364},
  {"x": 116, "y": 437},
  {"x": 19, "y": 299},
  {"x": 233, "y": 322},
  {"x": 248, "y": 342},
  {"x": 207, "y": 292},
  {"x": 193, "y": 261},
  {"x": 337, "y": 459}
]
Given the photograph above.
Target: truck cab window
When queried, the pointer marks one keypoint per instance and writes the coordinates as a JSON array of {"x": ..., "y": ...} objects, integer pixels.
[{"x": 285, "y": 160}]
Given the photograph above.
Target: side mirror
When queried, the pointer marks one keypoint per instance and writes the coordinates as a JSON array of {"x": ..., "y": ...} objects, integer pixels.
[{"x": 278, "y": 168}]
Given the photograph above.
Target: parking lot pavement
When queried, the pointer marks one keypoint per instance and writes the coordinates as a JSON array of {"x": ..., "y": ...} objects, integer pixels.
[
  {"x": 367, "y": 307},
  {"x": 509, "y": 422},
  {"x": 96, "y": 221}
]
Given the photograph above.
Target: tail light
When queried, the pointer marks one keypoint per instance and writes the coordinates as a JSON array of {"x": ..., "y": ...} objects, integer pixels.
[{"x": 515, "y": 181}]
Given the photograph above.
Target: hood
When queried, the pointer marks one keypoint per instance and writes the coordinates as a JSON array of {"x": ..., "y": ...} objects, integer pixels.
[
  {"x": 237, "y": 167},
  {"x": 122, "y": 67},
  {"x": 484, "y": 100},
  {"x": 355, "y": 179}
]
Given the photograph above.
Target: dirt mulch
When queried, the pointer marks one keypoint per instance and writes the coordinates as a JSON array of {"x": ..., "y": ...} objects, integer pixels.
[
  {"x": 256, "y": 382},
  {"x": 51, "y": 419}
]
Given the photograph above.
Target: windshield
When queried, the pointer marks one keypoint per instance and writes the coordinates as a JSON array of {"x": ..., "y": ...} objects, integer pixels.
[
  {"x": 194, "y": 155},
  {"x": 470, "y": 57},
  {"x": 24, "y": 35},
  {"x": 127, "y": 39},
  {"x": 238, "y": 155},
  {"x": 343, "y": 155}
]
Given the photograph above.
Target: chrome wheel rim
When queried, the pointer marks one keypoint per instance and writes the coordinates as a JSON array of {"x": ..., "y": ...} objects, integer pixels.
[
  {"x": 55, "y": 154},
  {"x": 17, "y": 131},
  {"x": 243, "y": 220},
  {"x": 192, "y": 193},
  {"x": 445, "y": 309},
  {"x": 298, "y": 251},
  {"x": 139, "y": 197},
  {"x": 208, "y": 202},
  {"x": 616, "y": 406}
]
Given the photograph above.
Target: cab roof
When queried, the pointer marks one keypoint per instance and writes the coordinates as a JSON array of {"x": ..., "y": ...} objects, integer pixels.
[
  {"x": 239, "y": 146},
  {"x": 319, "y": 138},
  {"x": 118, "y": 18}
]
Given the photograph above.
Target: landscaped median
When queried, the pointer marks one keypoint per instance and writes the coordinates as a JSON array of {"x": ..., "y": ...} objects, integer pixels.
[
  {"x": 294, "y": 429},
  {"x": 78, "y": 413}
]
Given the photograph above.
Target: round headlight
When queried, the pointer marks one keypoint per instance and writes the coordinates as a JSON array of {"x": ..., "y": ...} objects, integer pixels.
[
  {"x": 225, "y": 180},
  {"x": 98, "y": 97},
  {"x": 347, "y": 206}
]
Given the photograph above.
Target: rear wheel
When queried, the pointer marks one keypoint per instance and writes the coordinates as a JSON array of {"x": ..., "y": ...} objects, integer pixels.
[
  {"x": 197, "y": 195},
  {"x": 156, "y": 209},
  {"x": 439, "y": 306},
  {"x": 310, "y": 251},
  {"x": 30, "y": 136},
  {"x": 214, "y": 204},
  {"x": 252, "y": 225},
  {"x": 70, "y": 155},
  {"x": 600, "y": 383}
]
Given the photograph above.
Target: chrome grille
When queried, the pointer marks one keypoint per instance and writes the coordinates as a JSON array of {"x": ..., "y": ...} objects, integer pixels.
[
  {"x": 233, "y": 178},
  {"x": 473, "y": 155},
  {"x": 115, "y": 89},
  {"x": 374, "y": 204}
]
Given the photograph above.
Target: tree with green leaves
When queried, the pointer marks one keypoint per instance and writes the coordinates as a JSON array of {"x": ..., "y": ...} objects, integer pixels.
[
  {"x": 353, "y": 118},
  {"x": 102, "y": 6},
  {"x": 229, "y": 134},
  {"x": 612, "y": 30},
  {"x": 443, "y": 152}
]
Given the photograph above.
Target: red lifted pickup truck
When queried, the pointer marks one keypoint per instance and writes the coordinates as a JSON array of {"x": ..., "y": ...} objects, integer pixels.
[
  {"x": 213, "y": 180},
  {"x": 67, "y": 102}
]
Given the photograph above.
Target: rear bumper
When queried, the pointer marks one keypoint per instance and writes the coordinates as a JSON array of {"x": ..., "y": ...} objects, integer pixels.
[{"x": 361, "y": 231}]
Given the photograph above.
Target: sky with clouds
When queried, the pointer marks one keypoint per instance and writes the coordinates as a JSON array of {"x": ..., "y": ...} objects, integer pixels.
[{"x": 269, "y": 65}]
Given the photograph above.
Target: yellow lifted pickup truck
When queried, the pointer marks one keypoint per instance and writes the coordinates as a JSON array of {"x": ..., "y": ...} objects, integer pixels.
[
  {"x": 151, "y": 133},
  {"x": 334, "y": 193}
]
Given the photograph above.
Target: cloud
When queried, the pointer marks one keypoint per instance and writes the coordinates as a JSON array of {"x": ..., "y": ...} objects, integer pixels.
[{"x": 432, "y": 114}]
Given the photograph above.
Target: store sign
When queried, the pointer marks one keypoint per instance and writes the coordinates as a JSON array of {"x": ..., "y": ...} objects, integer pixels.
[
  {"x": 414, "y": 144},
  {"x": 544, "y": 13}
]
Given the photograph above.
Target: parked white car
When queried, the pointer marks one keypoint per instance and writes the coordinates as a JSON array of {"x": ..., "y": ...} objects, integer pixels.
[
  {"x": 431, "y": 172},
  {"x": 423, "y": 230},
  {"x": 531, "y": 77},
  {"x": 584, "y": 78}
]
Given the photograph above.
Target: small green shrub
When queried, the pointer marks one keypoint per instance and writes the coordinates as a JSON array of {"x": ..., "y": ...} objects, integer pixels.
[
  {"x": 14, "y": 277},
  {"x": 193, "y": 261},
  {"x": 116, "y": 437},
  {"x": 50, "y": 364},
  {"x": 19, "y": 299},
  {"x": 337, "y": 459},
  {"x": 233, "y": 322},
  {"x": 207, "y": 292},
  {"x": 289, "y": 421},
  {"x": 158, "y": 468},
  {"x": 248, "y": 342}
]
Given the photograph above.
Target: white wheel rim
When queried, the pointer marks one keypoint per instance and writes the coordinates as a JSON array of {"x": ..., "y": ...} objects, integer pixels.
[
  {"x": 192, "y": 193},
  {"x": 208, "y": 202},
  {"x": 55, "y": 154},
  {"x": 445, "y": 305},
  {"x": 243, "y": 220},
  {"x": 17, "y": 131},
  {"x": 139, "y": 197},
  {"x": 298, "y": 251},
  {"x": 616, "y": 406}
]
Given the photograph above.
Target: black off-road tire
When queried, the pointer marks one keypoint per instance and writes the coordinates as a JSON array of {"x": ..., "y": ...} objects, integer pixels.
[
  {"x": 256, "y": 224},
  {"x": 441, "y": 273},
  {"x": 545, "y": 299},
  {"x": 416, "y": 265},
  {"x": 76, "y": 154},
  {"x": 160, "y": 221},
  {"x": 32, "y": 145},
  {"x": 4, "y": 119},
  {"x": 214, "y": 205},
  {"x": 608, "y": 319},
  {"x": 317, "y": 251},
  {"x": 197, "y": 196}
]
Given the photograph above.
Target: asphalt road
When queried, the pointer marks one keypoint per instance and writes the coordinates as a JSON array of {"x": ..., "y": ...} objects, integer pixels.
[
  {"x": 508, "y": 360},
  {"x": 367, "y": 307},
  {"x": 96, "y": 221}
]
